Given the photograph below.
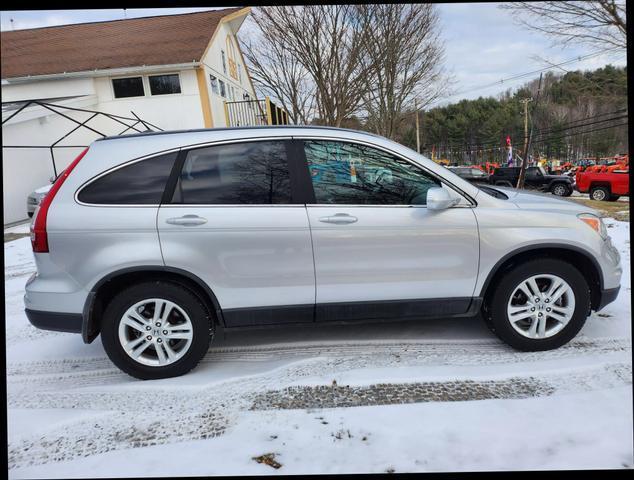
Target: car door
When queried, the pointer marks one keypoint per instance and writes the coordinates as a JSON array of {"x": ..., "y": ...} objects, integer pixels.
[
  {"x": 233, "y": 222},
  {"x": 379, "y": 252},
  {"x": 534, "y": 178}
]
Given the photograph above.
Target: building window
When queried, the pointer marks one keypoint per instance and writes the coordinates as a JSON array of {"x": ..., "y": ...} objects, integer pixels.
[
  {"x": 224, "y": 62},
  {"x": 223, "y": 92},
  {"x": 214, "y": 84},
  {"x": 128, "y": 87},
  {"x": 164, "y": 84}
]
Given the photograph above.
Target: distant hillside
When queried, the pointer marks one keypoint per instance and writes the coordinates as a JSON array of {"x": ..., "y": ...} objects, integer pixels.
[{"x": 579, "y": 114}]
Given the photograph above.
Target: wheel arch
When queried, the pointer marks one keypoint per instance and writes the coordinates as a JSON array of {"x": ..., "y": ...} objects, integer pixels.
[
  {"x": 600, "y": 183},
  {"x": 106, "y": 288},
  {"x": 579, "y": 258}
]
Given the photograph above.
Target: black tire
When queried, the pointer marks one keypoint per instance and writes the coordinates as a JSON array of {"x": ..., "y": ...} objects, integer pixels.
[
  {"x": 599, "y": 194},
  {"x": 560, "y": 189},
  {"x": 200, "y": 317},
  {"x": 497, "y": 299},
  {"x": 614, "y": 198}
]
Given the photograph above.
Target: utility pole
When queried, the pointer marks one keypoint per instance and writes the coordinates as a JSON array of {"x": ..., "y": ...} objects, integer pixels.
[
  {"x": 520, "y": 181},
  {"x": 528, "y": 138},
  {"x": 417, "y": 127}
]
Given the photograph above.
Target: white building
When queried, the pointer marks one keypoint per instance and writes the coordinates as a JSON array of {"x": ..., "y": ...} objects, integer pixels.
[{"x": 174, "y": 71}]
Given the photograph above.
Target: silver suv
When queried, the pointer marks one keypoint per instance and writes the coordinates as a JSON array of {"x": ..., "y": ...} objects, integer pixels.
[{"x": 157, "y": 240}]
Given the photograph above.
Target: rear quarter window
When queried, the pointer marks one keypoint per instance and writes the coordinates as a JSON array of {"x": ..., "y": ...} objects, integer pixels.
[{"x": 139, "y": 183}]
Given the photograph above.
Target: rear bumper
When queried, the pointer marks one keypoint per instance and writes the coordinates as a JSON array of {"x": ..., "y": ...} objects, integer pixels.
[
  {"x": 56, "y": 321},
  {"x": 608, "y": 296}
]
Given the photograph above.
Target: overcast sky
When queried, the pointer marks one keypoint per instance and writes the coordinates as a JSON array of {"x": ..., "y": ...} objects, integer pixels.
[{"x": 483, "y": 45}]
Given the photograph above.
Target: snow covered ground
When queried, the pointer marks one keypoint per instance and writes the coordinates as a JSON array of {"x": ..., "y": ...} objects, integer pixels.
[{"x": 442, "y": 395}]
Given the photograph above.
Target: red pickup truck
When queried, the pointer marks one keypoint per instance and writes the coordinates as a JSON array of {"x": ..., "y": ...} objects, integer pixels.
[{"x": 607, "y": 185}]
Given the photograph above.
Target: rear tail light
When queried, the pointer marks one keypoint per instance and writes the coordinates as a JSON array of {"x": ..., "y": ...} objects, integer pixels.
[{"x": 39, "y": 238}]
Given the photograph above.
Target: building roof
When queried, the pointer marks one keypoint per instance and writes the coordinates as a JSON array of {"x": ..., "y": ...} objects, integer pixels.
[{"x": 160, "y": 40}]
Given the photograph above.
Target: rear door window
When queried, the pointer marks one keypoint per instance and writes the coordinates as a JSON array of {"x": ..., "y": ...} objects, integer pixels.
[
  {"x": 235, "y": 174},
  {"x": 139, "y": 183}
]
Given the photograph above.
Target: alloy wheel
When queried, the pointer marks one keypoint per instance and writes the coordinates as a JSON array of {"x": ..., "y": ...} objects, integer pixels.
[
  {"x": 155, "y": 332},
  {"x": 541, "y": 306}
]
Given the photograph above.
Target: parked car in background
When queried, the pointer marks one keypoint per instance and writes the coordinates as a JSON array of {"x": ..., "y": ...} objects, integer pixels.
[
  {"x": 473, "y": 175},
  {"x": 536, "y": 178},
  {"x": 35, "y": 198},
  {"x": 606, "y": 185},
  {"x": 156, "y": 241}
]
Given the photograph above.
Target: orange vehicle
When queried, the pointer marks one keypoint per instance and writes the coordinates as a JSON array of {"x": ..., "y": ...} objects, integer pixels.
[{"x": 489, "y": 167}]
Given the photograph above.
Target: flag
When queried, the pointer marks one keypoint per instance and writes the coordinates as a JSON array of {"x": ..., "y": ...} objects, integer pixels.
[{"x": 509, "y": 158}]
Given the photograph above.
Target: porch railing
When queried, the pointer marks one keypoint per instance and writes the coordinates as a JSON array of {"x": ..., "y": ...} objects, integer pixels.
[{"x": 254, "y": 112}]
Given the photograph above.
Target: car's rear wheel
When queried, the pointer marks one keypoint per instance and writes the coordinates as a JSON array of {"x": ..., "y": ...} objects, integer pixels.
[
  {"x": 156, "y": 330},
  {"x": 538, "y": 305},
  {"x": 560, "y": 189},
  {"x": 599, "y": 193}
]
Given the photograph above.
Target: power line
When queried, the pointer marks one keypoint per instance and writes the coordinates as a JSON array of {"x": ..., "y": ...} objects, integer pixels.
[
  {"x": 527, "y": 74},
  {"x": 543, "y": 131},
  {"x": 465, "y": 149}
]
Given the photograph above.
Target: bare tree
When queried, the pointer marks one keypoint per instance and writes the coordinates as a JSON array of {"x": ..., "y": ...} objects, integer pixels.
[
  {"x": 324, "y": 44},
  {"x": 277, "y": 72},
  {"x": 404, "y": 58},
  {"x": 597, "y": 22}
]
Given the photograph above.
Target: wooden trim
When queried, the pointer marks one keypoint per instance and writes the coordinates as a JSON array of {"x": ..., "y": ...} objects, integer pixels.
[
  {"x": 204, "y": 97},
  {"x": 242, "y": 11},
  {"x": 269, "y": 117},
  {"x": 226, "y": 113}
]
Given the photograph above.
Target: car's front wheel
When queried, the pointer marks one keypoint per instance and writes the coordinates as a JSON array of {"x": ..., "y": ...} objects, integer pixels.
[
  {"x": 156, "y": 330},
  {"x": 538, "y": 305}
]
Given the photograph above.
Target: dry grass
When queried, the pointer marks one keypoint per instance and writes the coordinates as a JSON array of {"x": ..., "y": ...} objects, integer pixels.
[
  {"x": 617, "y": 210},
  {"x": 14, "y": 236}
]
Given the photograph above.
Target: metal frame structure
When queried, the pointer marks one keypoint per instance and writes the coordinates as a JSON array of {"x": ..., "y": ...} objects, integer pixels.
[{"x": 53, "y": 108}]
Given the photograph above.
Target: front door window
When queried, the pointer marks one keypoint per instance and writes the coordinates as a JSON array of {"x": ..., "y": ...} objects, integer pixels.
[{"x": 352, "y": 174}]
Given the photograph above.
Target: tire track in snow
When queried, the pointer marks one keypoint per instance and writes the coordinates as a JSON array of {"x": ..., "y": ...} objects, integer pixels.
[{"x": 446, "y": 352}]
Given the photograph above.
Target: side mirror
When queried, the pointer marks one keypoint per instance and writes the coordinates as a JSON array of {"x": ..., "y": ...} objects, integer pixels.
[{"x": 440, "y": 199}]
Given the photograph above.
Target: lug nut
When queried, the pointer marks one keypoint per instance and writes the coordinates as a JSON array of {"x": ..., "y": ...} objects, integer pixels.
[
  {"x": 148, "y": 328},
  {"x": 533, "y": 309},
  {"x": 158, "y": 324},
  {"x": 159, "y": 340},
  {"x": 548, "y": 309},
  {"x": 149, "y": 337},
  {"x": 547, "y": 300},
  {"x": 537, "y": 300},
  {"x": 165, "y": 332},
  {"x": 539, "y": 314}
]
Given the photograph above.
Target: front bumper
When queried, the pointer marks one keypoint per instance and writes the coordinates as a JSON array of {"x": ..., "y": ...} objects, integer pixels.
[{"x": 56, "y": 321}]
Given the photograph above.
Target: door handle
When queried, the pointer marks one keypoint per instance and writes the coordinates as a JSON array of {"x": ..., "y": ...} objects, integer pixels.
[
  {"x": 339, "y": 219},
  {"x": 187, "y": 220}
]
